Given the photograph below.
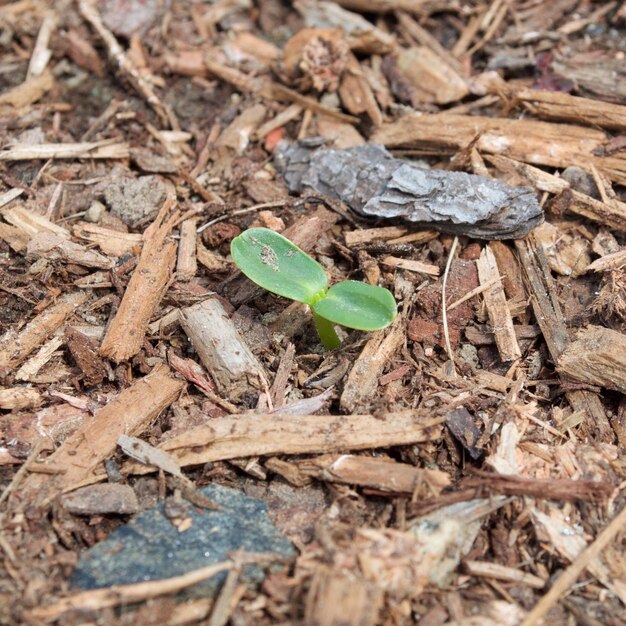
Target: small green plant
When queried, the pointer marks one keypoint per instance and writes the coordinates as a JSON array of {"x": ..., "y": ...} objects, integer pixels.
[{"x": 276, "y": 264}]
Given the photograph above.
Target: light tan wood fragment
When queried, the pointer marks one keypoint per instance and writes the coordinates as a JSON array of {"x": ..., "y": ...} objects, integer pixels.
[
  {"x": 127, "y": 414},
  {"x": 597, "y": 356},
  {"x": 145, "y": 289},
  {"x": 237, "y": 134},
  {"x": 486, "y": 569},
  {"x": 538, "y": 178},
  {"x": 84, "y": 150},
  {"x": 292, "y": 112},
  {"x": 369, "y": 235},
  {"x": 540, "y": 143},
  {"x": 383, "y": 474},
  {"x": 52, "y": 248},
  {"x": 362, "y": 382},
  {"x": 497, "y": 308},
  {"x": 187, "y": 264},
  {"x": 15, "y": 237},
  {"x": 32, "y": 223},
  {"x": 41, "y": 51},
  {"x": 432, "y": 79},
  {"x": 611, "y": 214},
  {"x": 15, "y": 348},
  {"x": 16, "y": 398},
  {"x": 557, "y": 105},
  {"x": 412, "y": 266},
  {"x": 385, "y": 6},
  {"x": 246, "y": 435},
  {"x": 113, "y": 242},
  {"x": 221, "y": 348},
  {"x": 611, "y": 261},
  {"x": 28, "y": 92},
  {"x": 31, "y": 368},
  {"x": 335, "y": 595}
]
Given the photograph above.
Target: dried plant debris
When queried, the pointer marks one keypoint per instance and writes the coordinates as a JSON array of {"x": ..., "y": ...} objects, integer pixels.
[{"x": 374, "y": 183}]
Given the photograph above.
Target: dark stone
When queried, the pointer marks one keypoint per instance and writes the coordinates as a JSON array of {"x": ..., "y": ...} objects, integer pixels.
[{"x": 152, "y": 548}]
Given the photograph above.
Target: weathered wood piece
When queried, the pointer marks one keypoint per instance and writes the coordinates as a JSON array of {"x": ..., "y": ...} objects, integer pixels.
[
  {"x": 542, "y": 143},
  {"x": 485, "y": 569},
  {"x": 32, "y": 223},
  {"x": 187, "y": 264},
  {"x": 558, "y": 105},
  {"x": 128, "y": 414},
  {"x": 15, "y": 348},
  {"x": 248, "y": 435},
  {"x": 84, "y": 150},
  {"x": 552, "y": 323},
  {"x": 412, "y": 266},
  {"x": 222, "y": 350},
  {"x": 372, "y": 182},
  {"x": 497, "y": 307},
  {"x": 612, "y": 214},
  {"x": 369, "y": 235},
  {"x": 383, "y": 474},
  {"x": 363, "y": 378},
  {"x": 337, "y": 598},
  {"x": 16, "y": 398},
  {"x": 597, "y": 356},
  {"x": 145, "y": 289},
  {"x": 113, "y": 242},
  {"x": 53, "y": 248}
]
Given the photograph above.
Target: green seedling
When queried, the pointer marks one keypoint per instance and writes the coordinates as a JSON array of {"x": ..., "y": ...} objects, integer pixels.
[{"x": 276, "y": 264}]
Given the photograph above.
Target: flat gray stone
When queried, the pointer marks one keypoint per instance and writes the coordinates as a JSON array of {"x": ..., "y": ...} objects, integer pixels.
[{"x": 150, "y": 547}]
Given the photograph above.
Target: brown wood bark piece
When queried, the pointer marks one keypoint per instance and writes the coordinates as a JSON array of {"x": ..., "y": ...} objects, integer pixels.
[
  {"x": 382, "y": 474},
  {"x": 128, "y": 414},
  {"x": 187, "y": 264},
  {"x": 510, "y": 270},
  {"x": 550, "y": 319},
  {"x": 145, "y": 289},
  {"x": 15, "y": 348},
  {"x": 597, "y": 356},
  {"x": 558, "y": 105},
  {"x": 336, "y": 599},
  {"x": 497, "y": 307},
  {"x": 246, "y": 435},
  {"x": 541, "y": 143},
  {"x": 611, "y": 213},
  {"x": 222, "y": 350},
  {"x": 363, "y": 378}
]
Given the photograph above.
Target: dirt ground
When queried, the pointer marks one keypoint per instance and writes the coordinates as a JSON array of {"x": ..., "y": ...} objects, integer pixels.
[{"x": 464, "y": 466}]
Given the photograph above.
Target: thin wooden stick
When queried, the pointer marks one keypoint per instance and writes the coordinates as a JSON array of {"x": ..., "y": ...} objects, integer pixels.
[
  {"x": 569, "y": 576},
  {"x": 444, "y": 311}
]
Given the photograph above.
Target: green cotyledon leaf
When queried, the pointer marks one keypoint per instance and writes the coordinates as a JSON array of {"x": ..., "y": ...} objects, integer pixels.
[
  {"x": 276, "y": 264},
  {"x": 357, "y": 305}
]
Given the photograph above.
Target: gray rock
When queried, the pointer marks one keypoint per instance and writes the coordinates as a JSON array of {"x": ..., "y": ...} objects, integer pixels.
[
  {"x": 132, "y": 199},
  {"x": 150, "y": 547}
]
